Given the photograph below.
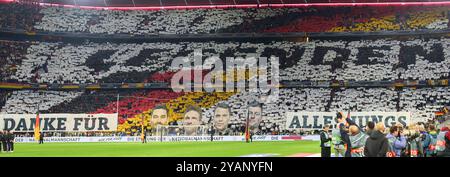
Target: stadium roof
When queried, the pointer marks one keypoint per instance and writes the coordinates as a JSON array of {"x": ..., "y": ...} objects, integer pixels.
[{"x": 192, "y": 4}]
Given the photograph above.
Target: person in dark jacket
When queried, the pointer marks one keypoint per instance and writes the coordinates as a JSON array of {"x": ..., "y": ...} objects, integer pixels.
[
  {"x": 5, "y": 141},
  {"x": 1, "y": 141},
  {"x": 377, "y": 144},
  {"x": 325, "y": 142},
  {"x": 369, "y": 128},
  {"x": 10, "y": 142},
  {"x": 41, "y": 138},
  {"x": 211, "y": 131}
]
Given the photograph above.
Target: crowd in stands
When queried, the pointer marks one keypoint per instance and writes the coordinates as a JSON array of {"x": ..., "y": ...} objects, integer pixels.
[
  {"x": 370, "y": 60},
  {"x": 391, "y": 19},
  {"x": 317, "y": 60},
  {"x": 139, "y": 22},
  {"x": 200, "y": 21},
  {"x": 3, "y": 97},
  {"x": 19, "y": 16},
  {"x": 96, "y": 99},
  {"x": 422, "y": 103},
  {"x": 29, "y": 101},
  {"x": 365, "y": 99},
  {"x": 340, "y": 19},
  {"x": 89, "y": 63},
  {"x": 11, "y": 55}
]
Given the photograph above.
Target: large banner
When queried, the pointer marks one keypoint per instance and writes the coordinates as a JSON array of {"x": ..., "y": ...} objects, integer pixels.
[
  {"x": 316, "y": 120},
  {"x": 59, "y": 122},
  {"x": 168, "y": 138}
]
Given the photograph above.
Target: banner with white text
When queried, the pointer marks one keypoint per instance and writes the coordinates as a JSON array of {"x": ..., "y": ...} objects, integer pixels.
[
  {"x": 316, "y": 120},
  {"x": 59, "y": 122}
]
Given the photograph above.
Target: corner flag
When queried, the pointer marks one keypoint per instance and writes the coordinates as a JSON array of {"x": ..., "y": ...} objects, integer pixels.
[
  {"x": 37, "y": 128},
  {"x": 247, "y": 131},
  {"x": 142, "y": 130}
]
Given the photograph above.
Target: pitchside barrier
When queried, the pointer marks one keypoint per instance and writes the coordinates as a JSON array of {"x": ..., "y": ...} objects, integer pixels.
[{"x": 167, "y": 138}]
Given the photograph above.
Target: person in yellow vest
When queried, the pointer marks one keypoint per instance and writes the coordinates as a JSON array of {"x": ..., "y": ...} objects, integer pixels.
[
  {"x": 430, "y": 150},
  {"x": 441, "y": 143},
  {"x": 358, "y": 141},
  {"x": 446, "y": 151},
  {"x": 341, "y": 140},
  {"x": 357, "y": 138}
]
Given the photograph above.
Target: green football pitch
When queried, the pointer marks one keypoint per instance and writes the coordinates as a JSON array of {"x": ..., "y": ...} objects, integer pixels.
[{"x": 165, "y": 149}]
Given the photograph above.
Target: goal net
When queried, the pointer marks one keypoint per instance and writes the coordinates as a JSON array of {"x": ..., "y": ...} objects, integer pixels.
[{"x": 181, "y": 130}]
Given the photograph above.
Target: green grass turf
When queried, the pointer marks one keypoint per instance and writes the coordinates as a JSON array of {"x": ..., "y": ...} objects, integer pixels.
[{"x": 163, "y": 149}]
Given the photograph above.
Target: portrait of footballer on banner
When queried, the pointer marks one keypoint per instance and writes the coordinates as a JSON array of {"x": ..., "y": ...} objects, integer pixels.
[{"x": 222, "y": 117}]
